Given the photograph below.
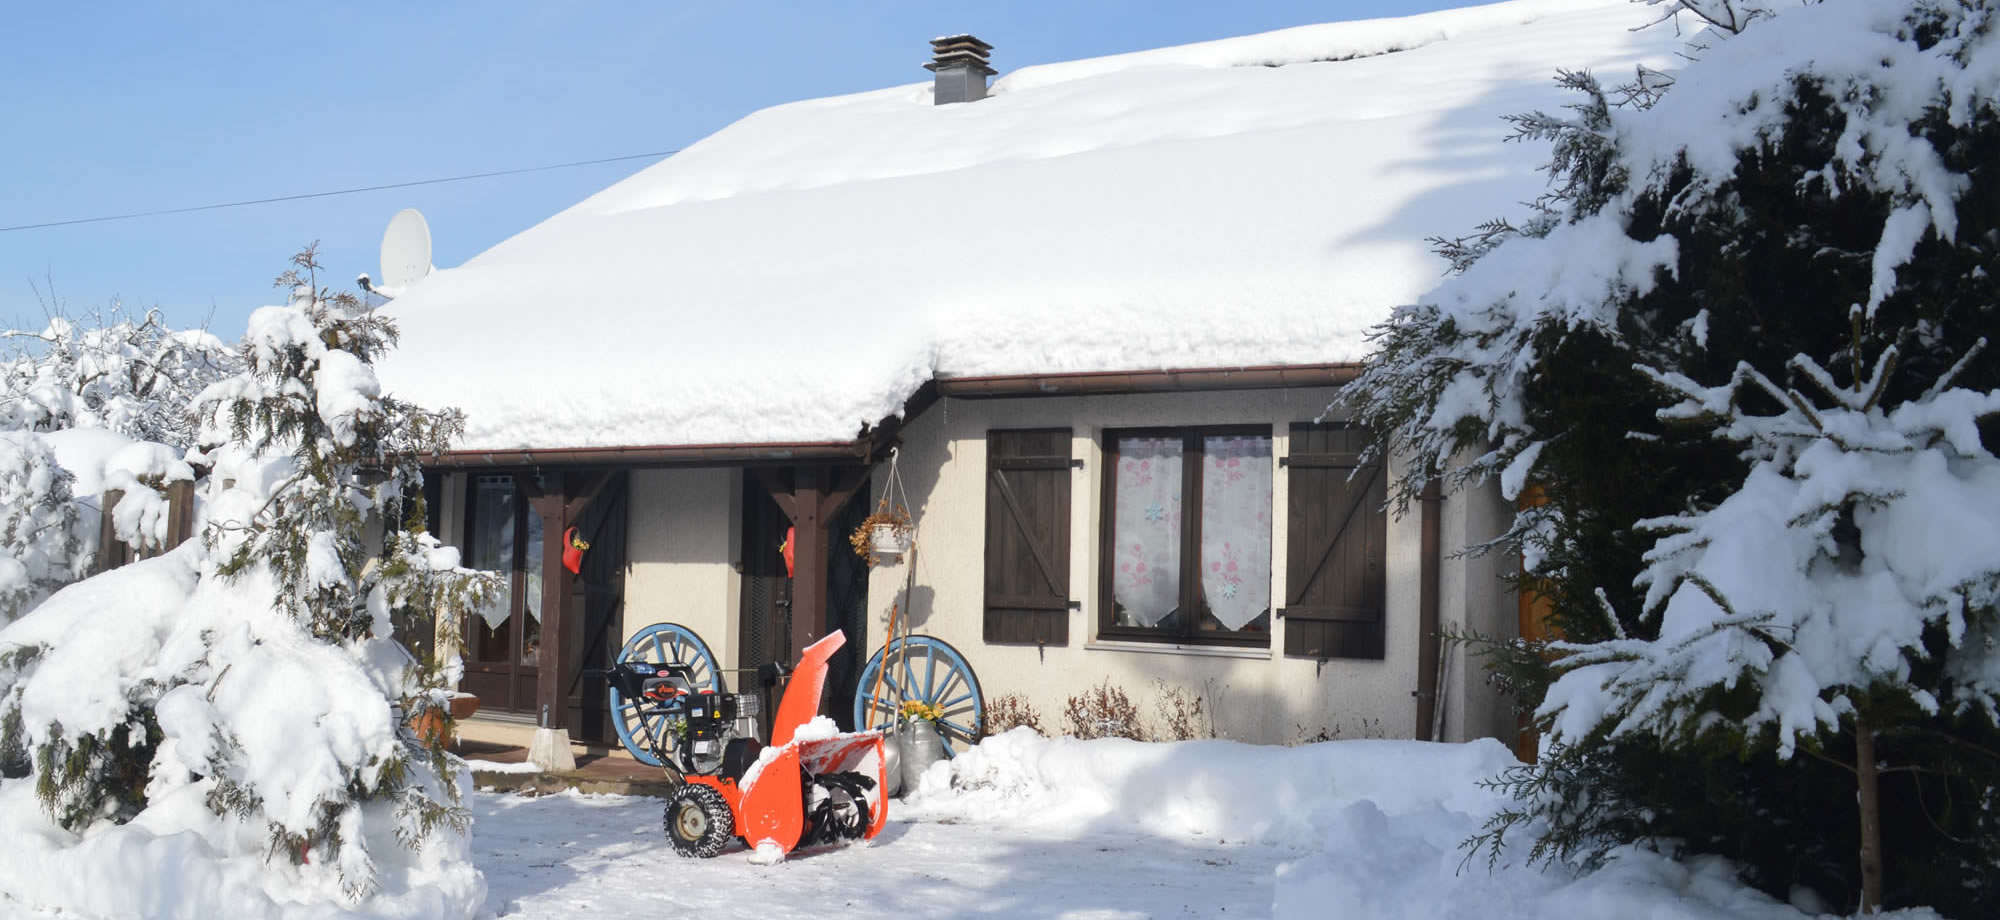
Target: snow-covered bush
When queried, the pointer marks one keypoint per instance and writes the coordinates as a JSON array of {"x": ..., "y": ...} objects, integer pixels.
[
  {"x": 244, "y": 688},
  {"x": 110, "y": 370},
  {"x": 40, "y": 547},
  {"x": 1739, "y": 354},
  {"x": 128, "y": 381}
]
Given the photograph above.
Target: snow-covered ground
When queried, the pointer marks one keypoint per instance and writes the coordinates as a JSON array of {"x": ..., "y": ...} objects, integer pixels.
[
  {"x": 1024, "y": 826},
  {"x": 568, "y": 856}
]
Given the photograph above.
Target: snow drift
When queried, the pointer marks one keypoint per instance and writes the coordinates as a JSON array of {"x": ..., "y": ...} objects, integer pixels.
[
  {"x": 299, "y": 712},
  {"x": 1378, "y": 824}
]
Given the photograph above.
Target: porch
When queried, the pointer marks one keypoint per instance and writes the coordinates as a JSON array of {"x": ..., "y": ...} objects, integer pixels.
[
  {"x": 700, "y": 546},
  {"x": 600, "y": 769}
]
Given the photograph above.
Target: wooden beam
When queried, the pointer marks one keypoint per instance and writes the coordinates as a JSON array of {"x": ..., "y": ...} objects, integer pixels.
[
  {"x": 583, "y": 488},
  {"x": 780, "y": 493},
  {"x": 845, "y": 484},
  {"x": 809, "y": 556}
]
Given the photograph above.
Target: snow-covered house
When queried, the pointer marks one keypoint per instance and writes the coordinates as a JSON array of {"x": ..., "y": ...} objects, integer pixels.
[{"x": 1097, "y": 315}]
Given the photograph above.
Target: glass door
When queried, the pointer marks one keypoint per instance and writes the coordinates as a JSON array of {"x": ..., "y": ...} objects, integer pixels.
[{"x": 502, "y": 642}]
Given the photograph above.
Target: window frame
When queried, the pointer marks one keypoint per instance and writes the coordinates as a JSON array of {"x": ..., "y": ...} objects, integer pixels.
[{"x": 1193, "y": 455}]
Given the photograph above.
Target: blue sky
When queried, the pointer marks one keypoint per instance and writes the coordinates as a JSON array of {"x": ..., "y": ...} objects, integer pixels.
[{"x": 112, "y": 108}]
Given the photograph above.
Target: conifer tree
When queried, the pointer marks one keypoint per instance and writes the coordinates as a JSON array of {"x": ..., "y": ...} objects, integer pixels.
[
  {"x": 266, "y": 677},
  {"x": 1738, "y": 351}
]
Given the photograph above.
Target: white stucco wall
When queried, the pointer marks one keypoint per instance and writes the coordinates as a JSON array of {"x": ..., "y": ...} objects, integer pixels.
[
  {"x": 682, "y": 551},
  {"x": 1254, "y": 694}
]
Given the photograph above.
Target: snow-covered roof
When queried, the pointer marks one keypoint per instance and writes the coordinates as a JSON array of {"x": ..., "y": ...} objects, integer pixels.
[{"x": 1252, "y": 201}]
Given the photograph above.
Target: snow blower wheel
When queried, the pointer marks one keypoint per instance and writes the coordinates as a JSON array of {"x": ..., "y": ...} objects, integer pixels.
[{"x": 698, "y": 822}]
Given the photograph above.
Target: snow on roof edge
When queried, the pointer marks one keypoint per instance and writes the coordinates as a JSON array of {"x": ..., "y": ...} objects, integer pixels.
[{"x": 1326, "y": 41}]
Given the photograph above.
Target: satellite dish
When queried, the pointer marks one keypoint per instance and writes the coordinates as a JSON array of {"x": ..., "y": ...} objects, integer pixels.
[{"x": 406, "y": 251}]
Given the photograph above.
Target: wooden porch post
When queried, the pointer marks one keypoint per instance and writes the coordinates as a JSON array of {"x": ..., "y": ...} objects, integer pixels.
[{"x": 809, "y": 546}]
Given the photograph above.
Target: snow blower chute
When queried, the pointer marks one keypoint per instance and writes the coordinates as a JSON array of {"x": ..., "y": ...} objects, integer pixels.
[{"x": 808, "y": 787}]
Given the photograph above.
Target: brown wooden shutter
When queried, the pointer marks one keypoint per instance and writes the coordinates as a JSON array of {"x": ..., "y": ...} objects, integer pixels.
[
  {"x": 1027, "y": 536},
  {"x": 1336, "y": 555}
]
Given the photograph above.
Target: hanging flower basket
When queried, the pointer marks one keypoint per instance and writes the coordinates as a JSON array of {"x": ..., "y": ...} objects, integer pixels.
[
  {"x": 887, "y": 543},
  {"x": 884, "y": 536}
]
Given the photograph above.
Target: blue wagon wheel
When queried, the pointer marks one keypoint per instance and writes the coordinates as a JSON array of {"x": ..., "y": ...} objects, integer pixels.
[
  {"x": 661, "y": 643},
  {"x": 926, "y": 669}
]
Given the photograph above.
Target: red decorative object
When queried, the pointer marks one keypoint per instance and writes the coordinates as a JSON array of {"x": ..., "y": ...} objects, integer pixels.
[
  {"x": 786, "y": 549},
  {"x": 573, "y": 547}
]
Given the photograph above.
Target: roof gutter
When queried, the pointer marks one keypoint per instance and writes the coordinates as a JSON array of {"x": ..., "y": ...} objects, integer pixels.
[
  {"x": 658, "y": 455},
  {"x": 1260, "y": 377}
]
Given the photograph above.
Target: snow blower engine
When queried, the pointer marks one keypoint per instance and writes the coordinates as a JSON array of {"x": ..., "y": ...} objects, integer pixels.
[{"x": 810, "y": 786}]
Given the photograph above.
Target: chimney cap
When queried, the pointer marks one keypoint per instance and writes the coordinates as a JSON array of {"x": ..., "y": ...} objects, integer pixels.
[{"x": 945, "y": 43}]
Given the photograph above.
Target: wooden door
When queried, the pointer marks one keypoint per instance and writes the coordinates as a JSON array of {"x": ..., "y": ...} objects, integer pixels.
[
  {"x": 847, "y": 610},
  {"x": 765, "y": 626},
  {"x": 596, "y": 614}
]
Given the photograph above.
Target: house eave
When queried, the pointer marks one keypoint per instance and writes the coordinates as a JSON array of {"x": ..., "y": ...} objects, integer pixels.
[{"x": 875, "y": 440}]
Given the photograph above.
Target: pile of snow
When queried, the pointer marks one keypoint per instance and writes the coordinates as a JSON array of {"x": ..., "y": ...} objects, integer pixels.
[
  {"x": 100, "y": 460},
  {"x": 803, "y": 271},
  {"x": 1378, "y": 824},
  {"x": 1224, "y": 790}
]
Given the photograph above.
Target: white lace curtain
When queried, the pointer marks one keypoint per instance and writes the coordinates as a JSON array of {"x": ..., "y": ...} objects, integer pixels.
[
  {"x": 493, "y": 550},
  {"x": 1235, "y": 561},
  {"x": 1147, "y": 529},
  {"x": 1236, "y": 528}
]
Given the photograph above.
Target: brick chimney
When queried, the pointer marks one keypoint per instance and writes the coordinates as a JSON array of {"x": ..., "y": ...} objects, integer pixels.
[{"x": 960, "y": 64}]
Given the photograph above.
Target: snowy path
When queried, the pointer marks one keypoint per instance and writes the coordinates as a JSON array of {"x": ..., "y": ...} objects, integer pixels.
[{"x": 573, "y": 857}]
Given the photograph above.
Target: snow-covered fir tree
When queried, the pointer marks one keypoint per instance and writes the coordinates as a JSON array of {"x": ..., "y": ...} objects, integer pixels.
[
  {"x": 245, "y": 686},
  {"x": 1739, "y": 354}
]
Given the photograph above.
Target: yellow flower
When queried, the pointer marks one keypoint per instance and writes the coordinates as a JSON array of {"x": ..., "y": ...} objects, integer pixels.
[{"x": 918, "y": 710}]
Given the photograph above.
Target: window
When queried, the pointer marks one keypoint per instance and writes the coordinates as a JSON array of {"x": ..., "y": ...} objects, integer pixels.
[
  {"x": 1187, "y": 536},
  {"x": 509, "y": 630}
]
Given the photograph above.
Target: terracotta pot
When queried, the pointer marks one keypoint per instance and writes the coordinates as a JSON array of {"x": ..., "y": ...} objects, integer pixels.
[
  {"x": 430, "y": 725},
  {"x": 463, "y": 705}
]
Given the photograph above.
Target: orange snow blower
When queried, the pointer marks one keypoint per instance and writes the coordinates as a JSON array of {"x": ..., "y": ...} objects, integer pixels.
[{"x": 806, "y": 788}]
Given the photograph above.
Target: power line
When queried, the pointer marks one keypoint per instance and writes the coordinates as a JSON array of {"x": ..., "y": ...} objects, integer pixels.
[{"x": 329, "y": 194}]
